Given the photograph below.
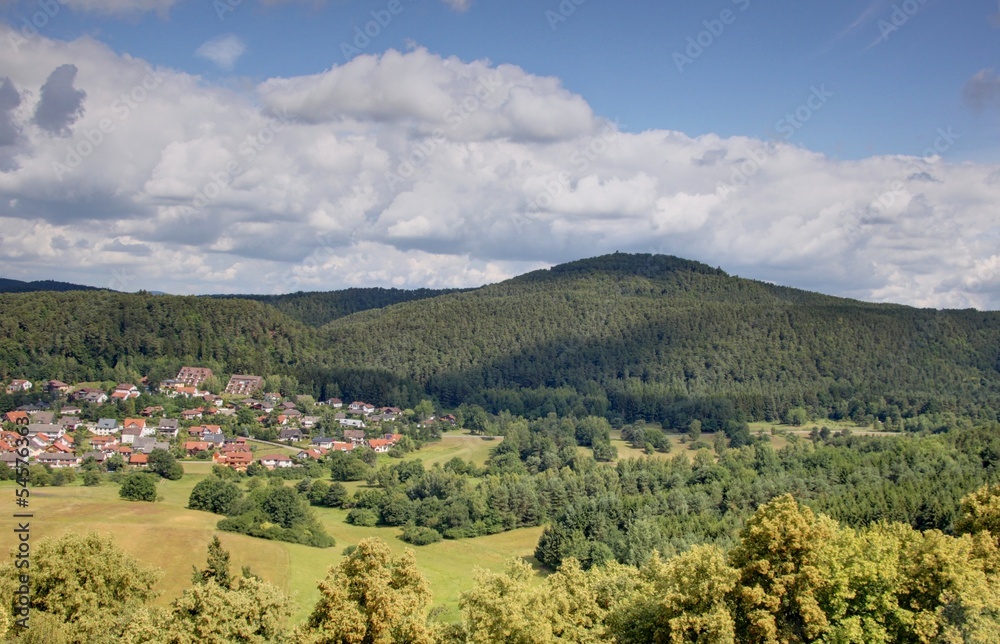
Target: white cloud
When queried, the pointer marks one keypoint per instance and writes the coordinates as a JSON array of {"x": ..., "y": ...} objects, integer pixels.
[
  {"x": 458, "y": 5},
  {"x": 369, "y": 174},
  {"x": 223, "y": 50}
]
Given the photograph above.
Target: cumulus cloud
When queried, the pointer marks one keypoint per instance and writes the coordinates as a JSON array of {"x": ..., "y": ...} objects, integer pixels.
[
  {"x": 982, "y": 90},
  {"x": 60, "y": 104},
  {"x": 9, "y": 99},
  {"x": 409, "y": 169},
  {"x": 223, "y": 51}
]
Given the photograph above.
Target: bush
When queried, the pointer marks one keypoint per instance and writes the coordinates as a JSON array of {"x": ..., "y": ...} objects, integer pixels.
[
  {"x": 215, "y": 495},
  {"x": 91, "y": 478},
  {"x": 420, "y": 536},
  {"x": 138, "y": 486},
  {"x": 362, "y": 517}
]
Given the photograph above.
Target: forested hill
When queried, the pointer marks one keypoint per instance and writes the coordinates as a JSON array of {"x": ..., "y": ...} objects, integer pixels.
[
  {"x": 319, "y": 308},
  {"x": 638, "y": 333},
  {"x": 17, "y": 286},
  {"x": 628, "y": 336}
]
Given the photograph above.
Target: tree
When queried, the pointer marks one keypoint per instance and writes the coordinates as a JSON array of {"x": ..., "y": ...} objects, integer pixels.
[
  {"x": 283, "y": 506},
  {"x": 252, "y": 611},
  {"x": 163, "y": 463},
  {"x": 370, "y": 597},
  {"x": 138, "y": 486},
  {"x": 217, "y": 569},
  {"x": 85, "y": 583},
  {"x": 424, "y": 409},
  {"x": 214, "y": 495},
  {"x": 91, "y": 478},
  {"x": 694, "y": 430}
]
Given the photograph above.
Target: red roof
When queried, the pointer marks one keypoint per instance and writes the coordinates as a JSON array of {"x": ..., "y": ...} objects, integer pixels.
[{"x": 138, "y": 459}]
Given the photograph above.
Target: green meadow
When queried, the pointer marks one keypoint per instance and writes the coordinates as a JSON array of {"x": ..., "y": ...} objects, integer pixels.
[{"x": 172, "y": 538}]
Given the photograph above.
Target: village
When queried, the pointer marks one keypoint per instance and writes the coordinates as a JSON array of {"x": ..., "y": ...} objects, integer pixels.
[{"x": 79, "y": 424}]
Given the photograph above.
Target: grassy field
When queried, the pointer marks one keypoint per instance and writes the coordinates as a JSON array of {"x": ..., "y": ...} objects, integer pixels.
[{"x": 167, "y": 536}]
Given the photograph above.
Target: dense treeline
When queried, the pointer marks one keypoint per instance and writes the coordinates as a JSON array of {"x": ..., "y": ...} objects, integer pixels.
[
  {"x": 317, "y": 309},
  {"x": 626, "y": 337},
  {"x": 792, "y": 576},
  {"x": 596, "y": 513}
]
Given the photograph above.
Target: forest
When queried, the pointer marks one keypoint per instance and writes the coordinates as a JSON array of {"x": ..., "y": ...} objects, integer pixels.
[
  {"x": 626, "y": 337},
  {"x": 791, "y": 575}
]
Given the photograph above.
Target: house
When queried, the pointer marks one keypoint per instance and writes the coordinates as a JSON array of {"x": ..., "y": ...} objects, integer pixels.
[
  {"x": 449, "y": 418},
  {"x": 58, "y": 459},
  {"x": 308, "y": 422},
  {"x": 151, "y": 411},
  {"x": 341, "y": 446},
  {"x": 125, "y": 391},
  {"x": 236, "y": 460},
  {"x": 99, "y": 457},
  {"x": 356, "y": 436},
  {"x": 281, "y": 420},
  {"x": 359, "y": 407},
  {"x": 130, "y": 435},
  {"x": 147, "y": 444},
  {"x": 314, "y": 454},
  {"x": 336, "y": 403},
  {"x": 44, "y": 417},
  {"x": 293, "y": 414},
  {"x": 290, "y": 434},
  {"x": 55, "y": 431},
  {"x": 70, "y": 423},
  {"x": 240, "y": 385},
  {"x": 214, "y": 437},
  {"x": 287, "y": 405},
  {"x": 104, "y": 443},
  {"x": 324, "y": 442},
  {"x": 138, "y": 460},
  {"x": 380, "y": 445},
  {"x": 274, "y": 461},
  {"x": 192, "y": 414},
  {"x": 57, "y": 387},
  {"x": 193, "y": 448},
  {"x": 168, "y": 427},
  {"x": 18, "y": 386},
  {"x": 17, "y": 417},
  {"x": 351, "y": 422},
  {"x": 70, "y": 410},
  {"x": 140, "y": 423},
  {"x": 193, "y": 376},
  {"x": 89, "y": 395},
  {"x": 105, "y": 427}
]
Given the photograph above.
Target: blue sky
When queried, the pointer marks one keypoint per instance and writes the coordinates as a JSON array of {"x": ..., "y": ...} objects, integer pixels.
[
  {"x": 895, "y": 81},
  {"x": 884, "y": 115}
]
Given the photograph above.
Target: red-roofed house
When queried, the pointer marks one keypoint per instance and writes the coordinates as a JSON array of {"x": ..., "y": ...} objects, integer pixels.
[
  {"x": 139, "y": 460},
  {"x": 17, "y": 417},
  {"x": 273, "y": 461},
  {"x": 18, "y": 386},
  {"x": 125, "y": 391},
  {"x": 196, "y": 447}
]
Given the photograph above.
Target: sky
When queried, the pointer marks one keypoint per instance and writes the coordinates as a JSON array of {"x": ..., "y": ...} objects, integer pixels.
[{"x": 271, "y": 146}]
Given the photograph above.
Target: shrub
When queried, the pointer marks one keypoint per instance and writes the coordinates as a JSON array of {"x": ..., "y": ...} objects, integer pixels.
[
  {"x": 362, "y": 517},
  {"x": 138, "y": 486},
  {"x": 420, "y": 536}
]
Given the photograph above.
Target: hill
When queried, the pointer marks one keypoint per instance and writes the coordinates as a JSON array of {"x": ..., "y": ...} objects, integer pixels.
[
  {"x": 17, "y": 286},
  {"x": 319, "y": 308},
  {"x": 624, "y": 336}
]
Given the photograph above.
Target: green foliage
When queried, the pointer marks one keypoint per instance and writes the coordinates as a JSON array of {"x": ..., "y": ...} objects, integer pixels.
[
  {"x": 362, "y": 517},
  {"x": 215, "y": 495},
  {"x": 84, "y": 583},
  {"x": 138, "y": 486},
  {"x": 91, "y": 478},
  {"x": 370, "y": 597},
  {"x": 276, "y": 512},
  {"x": 217, "y": 568},
  {"x": 163, "y": 463},
  {"x": 420, "y": 536}
]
